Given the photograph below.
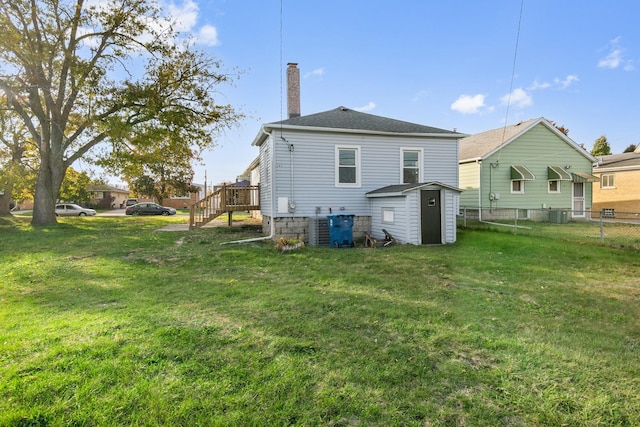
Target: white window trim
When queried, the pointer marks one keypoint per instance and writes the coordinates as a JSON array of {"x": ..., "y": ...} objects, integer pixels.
[
  {"x": 521, "y": 187},
  {"x": 609, "y": 176},
  {"x": 549, "y": 186},
  {"x": 358, "y": 182},
  {"x": 387, "y": 216},
  {"x": 420, "y": 163}
]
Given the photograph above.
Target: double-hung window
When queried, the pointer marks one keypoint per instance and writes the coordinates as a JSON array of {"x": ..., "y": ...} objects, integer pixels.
[
  {"x": 608, "y": 181},
  {"x": 411, "y": 166},
  {"x": 347, "y": 166}
]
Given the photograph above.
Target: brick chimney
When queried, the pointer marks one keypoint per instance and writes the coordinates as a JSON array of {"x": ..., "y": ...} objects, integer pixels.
[{"x": 293, "y": 90}]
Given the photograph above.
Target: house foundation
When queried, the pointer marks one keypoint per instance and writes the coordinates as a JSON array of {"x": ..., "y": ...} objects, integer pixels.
[{"x": 298, "y": 227}]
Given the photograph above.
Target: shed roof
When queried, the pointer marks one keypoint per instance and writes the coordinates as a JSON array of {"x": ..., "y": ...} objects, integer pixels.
[{"x": 402, "y": 189}]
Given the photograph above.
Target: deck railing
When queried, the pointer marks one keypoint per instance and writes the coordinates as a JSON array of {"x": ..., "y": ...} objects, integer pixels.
[{"x": 225, "y": 199}]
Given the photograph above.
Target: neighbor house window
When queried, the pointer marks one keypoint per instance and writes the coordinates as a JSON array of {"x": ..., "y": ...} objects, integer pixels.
[
  {"x": 517, "y": 186},
  {"x": 411, "y": 166},
  {"x": 388, "y": 215},
  {"x": 98, "y": 195},
  {"x": 554, "y": 186},
  {"x": 608, "y": 181},
  {"x": 348, "y": 166}
]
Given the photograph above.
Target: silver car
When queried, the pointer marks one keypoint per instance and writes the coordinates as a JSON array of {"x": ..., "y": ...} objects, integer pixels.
[{"x": 71, "y": 209}]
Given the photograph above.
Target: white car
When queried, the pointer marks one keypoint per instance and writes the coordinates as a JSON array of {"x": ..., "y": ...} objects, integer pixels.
[{"x": 71, "y": 209}]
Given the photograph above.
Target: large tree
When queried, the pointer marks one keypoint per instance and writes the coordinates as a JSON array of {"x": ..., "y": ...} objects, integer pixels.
[
  {"x": 601, "y": 147},
  {"x": 82, "y": 74},
  {"x": 17, "y": 160}
]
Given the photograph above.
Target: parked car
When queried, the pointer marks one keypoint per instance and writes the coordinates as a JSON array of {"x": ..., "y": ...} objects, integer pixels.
[
  {"x": 130, "y": 202},
  {"x": 71, "y": 209},
  {"x": 149, "y": 209}
]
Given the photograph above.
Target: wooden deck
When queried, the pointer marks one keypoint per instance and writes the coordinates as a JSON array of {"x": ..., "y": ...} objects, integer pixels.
[{"x": 227, "y": 199}]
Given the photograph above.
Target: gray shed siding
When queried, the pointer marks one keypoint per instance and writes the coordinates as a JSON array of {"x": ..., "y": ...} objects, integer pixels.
[
  {"x": 407, "y": 215},
  {"x": 400, "y": 228},
  {"x": 307, "y": 174}
]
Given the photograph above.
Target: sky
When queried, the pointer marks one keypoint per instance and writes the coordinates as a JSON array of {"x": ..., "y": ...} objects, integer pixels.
[{"x": 453, "y": 64}]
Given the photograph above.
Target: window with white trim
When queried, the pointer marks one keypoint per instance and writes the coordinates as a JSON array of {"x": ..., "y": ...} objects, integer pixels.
[
  {"x": 608, "y": 181},
  {"x": 388, "y": 215},
  {"x": 554, "y": 186},
  {"x": 347, "y": 166},
  {"x": 411, "y": 166},
  {"x": 517, "y": 186}
]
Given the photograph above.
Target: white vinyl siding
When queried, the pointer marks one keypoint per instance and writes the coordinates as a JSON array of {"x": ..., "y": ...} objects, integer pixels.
[{"x": 313, "y": 166}]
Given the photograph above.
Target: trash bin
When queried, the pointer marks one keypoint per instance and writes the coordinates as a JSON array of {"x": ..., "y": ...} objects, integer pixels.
[{"x": 341, "y": 230}]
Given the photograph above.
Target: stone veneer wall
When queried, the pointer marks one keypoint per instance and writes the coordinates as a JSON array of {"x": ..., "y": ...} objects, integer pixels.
[{"x": 298, "y": 227}]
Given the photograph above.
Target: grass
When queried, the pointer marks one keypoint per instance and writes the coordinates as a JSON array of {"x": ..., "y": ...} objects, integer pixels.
[{"x": 105, "y": 321}]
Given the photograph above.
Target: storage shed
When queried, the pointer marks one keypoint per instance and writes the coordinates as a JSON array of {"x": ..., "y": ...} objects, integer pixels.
[{"x": 423, "y": 213}]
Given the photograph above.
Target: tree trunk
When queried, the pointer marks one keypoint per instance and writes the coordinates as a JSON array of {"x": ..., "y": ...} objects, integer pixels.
[
  {"x": 50, "y": 176},
  {"x": 5, "y": 203}
]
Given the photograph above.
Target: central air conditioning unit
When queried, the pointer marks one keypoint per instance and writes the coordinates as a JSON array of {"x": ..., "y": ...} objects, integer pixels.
[{"x": 318, "y": 231}]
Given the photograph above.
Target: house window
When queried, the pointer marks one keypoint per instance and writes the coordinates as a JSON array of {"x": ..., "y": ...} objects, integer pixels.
[
  {"x": 554, "y": 186},
  {"x": 411, "y": 166},
  {"x": 608, "y": 181},
  {"x": 388, "y": 215},
  {"x": 98, "y": 195},
  {"x": 348, "y": 166},
  {"x": 517, "y": 186}
]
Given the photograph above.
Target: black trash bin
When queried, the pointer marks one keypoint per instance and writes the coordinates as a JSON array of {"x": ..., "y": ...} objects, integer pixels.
[{"x": 341, "y": 230}]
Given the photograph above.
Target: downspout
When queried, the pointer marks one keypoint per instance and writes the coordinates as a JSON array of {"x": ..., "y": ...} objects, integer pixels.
[
  {"x": 479, "y": 162},
  {"x": 273, "y": 194}
]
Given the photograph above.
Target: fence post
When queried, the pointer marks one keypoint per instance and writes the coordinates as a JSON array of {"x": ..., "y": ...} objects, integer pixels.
[
  {"x": 601, "y": 227},
  {"x": 515, "y": 229},
  {"x": 464, "y": 217}
]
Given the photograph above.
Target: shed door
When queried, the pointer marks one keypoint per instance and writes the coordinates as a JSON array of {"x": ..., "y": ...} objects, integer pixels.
[{"x": 430, "y": 217}]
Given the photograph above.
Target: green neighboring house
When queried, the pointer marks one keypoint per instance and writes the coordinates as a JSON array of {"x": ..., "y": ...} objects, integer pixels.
[{"x": 530, "y": 166}]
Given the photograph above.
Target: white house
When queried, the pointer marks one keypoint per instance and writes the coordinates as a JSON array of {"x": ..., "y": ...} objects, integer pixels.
[{"x": 341, "y": 161}]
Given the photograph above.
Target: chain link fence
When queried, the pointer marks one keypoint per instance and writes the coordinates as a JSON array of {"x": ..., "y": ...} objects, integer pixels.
[{"x": 617, "y": 229}]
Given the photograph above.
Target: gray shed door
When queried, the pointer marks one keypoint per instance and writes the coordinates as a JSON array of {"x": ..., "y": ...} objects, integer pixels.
[{"x": 430, "y": 217}]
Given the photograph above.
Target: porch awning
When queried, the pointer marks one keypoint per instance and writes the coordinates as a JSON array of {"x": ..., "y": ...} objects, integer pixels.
[
  {"x": 584, "y": 177},
  {"x": 558, "y": 173},
  {"x": 521, "y": 173}
]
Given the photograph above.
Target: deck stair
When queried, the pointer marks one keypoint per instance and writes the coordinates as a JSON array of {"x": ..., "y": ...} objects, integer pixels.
[{"x": 226, "y": 199}]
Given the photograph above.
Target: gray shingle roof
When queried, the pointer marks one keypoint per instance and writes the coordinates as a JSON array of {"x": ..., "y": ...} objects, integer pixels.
[
  {"x": 624, "y": 160},
  {"x": 399, "y": 189},
  {"x": 345, "y": 118}
]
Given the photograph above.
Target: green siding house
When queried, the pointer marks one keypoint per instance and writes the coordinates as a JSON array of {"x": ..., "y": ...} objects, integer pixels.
[{"x": 530, "y": 166}]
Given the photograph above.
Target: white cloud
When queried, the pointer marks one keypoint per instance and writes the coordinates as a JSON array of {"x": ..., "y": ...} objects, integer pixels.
[
  {"x": 518, "y": 98},
  {"x": 208, "y": 35},
  {"x": 568, "y": 81},
  {"x": 536, "y": 85},
  {"x": 184, "y": 16},
  {"x": 467, "y": 104},
  {"x": 318, "y": 72},
  {"x": 370, "y": 106},
  {"x": 615, "y": 58},
  {"x": 612, "y": 60}
]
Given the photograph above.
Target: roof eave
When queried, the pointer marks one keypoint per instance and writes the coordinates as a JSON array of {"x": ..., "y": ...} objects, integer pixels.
[{"x": 275, "y": 126}]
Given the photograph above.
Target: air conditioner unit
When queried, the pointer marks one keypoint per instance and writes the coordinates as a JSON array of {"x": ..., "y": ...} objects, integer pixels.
[{"x": 318, "y": 231}]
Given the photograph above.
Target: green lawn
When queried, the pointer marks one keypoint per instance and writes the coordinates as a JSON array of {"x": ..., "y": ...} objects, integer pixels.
[{"x": 106, "y": 321}]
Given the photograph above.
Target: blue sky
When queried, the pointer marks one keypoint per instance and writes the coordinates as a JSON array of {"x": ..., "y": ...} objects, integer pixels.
[{"x": 441, "y": 63}]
